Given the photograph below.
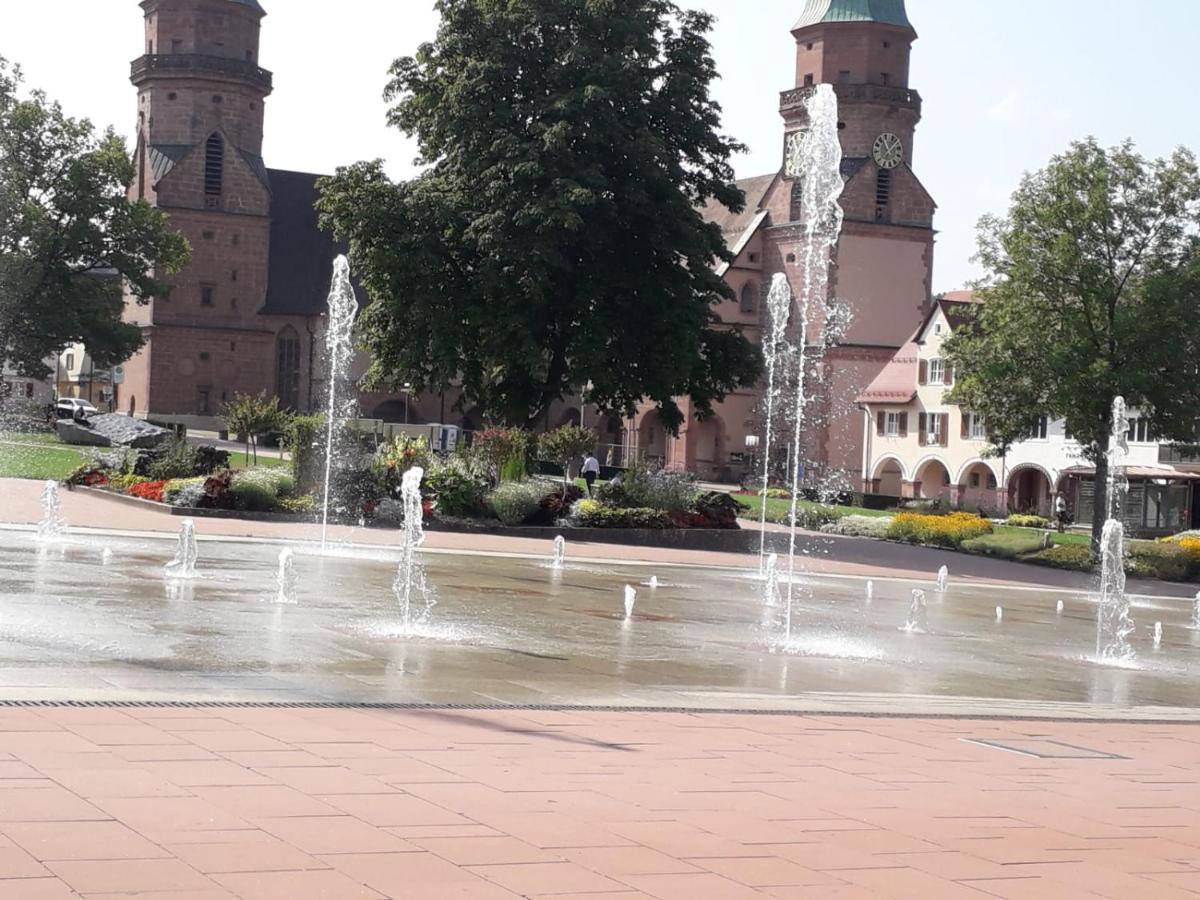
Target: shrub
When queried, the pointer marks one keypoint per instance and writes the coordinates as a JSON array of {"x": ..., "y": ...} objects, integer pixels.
[
  {"x": 592, "y": 515},
  {"x": 938, "y": 531},
  {"x": 652, "y": 488},
  {"x": 719, "y": 510},
  {"x": 253, "y": 416},
  {"x": 457, "y": 490},
  {"x": 210, "y": 459},
  {"x": 1023, "y": 521},
  {"x": 89, "y": 475},
  {"x": 502, "y": 451},
  {"x": 260, "y": 489},
  {"x": 354, "y": 490},
  {"x": 184, "y": 491},
  {"x": 859, "y": 526},
  {"x": 1005, "y": 546},
  {"x": 515, "y": 501},
  {"x": 556, "y": 505},
  {"x": 1075, "y": 557},
  {"x": 927, "y": 507},
  {"x": 564, "y": 444},
  {"x": 148, "y": 490},
  {"x": 125, "y": 482},
  {"x": 814, "y": 517},
  {"x": 1170, "y": 562},
  {"x": 301, "y": 503},
  {"x": 301, "y": 437},
  {"x": 178, "y": 460},
  {"x": 397, "y": 456}
]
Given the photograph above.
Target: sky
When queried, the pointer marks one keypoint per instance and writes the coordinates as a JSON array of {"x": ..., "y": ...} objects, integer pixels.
[{"x": 1006, "y": 84}]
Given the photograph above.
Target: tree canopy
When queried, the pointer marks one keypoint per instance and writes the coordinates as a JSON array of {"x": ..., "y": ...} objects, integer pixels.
[
  {"x": 65, "y": 222},
  {"x": 554, "y": 239},
  {"x": 1093, "y": 293}
]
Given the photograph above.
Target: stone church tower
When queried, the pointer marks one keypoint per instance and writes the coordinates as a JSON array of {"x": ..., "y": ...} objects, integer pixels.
[{"x": 883, "y": 263}]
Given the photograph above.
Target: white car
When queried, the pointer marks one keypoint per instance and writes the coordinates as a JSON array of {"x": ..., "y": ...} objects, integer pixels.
[{"x": 74, "y": 408}]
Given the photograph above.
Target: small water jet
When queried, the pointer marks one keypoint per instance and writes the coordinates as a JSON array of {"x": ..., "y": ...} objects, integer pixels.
[
  {"x": 1196, "y": 613},
  {"x": 630, "y": 600},
  {"x": 999, "y": 614},
  {"x": 53, "y": 525},
  {"x": 106, "y": 557},
  {"x": 943, "y": 577},
  {"x": 285, "y": 577},
  {"x": 653, "y": 583},
  {"x": 870, "y": 592},
  {"x": 559, "y": 559},
  {"x": 771, "y": 596},
  {"x": 339, "y": 351},
  {"x": 1060, "y": 607},
  {"x": 918, "y": 614},
  {"x": 183, "y": 566},
  {"x": 1158, "y": 635},
  {"x": 411, "y": 582}
]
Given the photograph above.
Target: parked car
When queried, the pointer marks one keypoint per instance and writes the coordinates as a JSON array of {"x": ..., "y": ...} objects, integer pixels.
[{"x": 74, "y": 408}]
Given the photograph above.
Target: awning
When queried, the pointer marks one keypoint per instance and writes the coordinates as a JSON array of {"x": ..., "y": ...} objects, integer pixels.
[{"x": 1144, "y": 473}]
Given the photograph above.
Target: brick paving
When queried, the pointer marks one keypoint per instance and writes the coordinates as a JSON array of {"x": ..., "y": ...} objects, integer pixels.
[{"x": 261, "y": 803}]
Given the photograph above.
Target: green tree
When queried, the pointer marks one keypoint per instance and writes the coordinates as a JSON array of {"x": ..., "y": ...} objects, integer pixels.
[
  {"x": 555, "y": 238},
  {"x": 1093, "y": 293},
  {"x": 562, "y": 445},
  {"x": 64, "y": 218},
  {"x": 254, "y": 415}
]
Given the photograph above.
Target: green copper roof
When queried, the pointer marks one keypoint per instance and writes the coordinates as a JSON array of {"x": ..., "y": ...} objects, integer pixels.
[{"x": 888, "y": 12}]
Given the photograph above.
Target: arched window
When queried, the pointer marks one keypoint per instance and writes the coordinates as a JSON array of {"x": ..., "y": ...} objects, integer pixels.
[
  {"x": 287, "y": 368},
  {"x": 214, "y": 165},
  {"x": 749, "y": 298}
]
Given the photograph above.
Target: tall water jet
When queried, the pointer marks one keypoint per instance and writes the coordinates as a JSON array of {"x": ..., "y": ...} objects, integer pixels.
[
  {"x": 339, "y": 351},
  {"x": 411, "y": 582},
  {"x": 285, "y": 577},
  {"x": 1113, "y": 622},
  {"x": 918, "y": 614},
  {"x": 53, "y": 524},
  {"x": 821, "y": 185},
  {"x": 943, "y": 578},
  {"x": 630, "y": 600},
  {"x": 779, "y": 302},
  {"x": 559, "y": 559},
  {"x": 183, "y": 566}
]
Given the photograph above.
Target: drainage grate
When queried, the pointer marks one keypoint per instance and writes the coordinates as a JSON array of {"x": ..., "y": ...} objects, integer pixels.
[{"x": 1043, "y": 748}]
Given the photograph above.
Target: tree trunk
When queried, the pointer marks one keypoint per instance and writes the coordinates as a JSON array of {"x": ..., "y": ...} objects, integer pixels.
[{"x": 1100, "y": 503}]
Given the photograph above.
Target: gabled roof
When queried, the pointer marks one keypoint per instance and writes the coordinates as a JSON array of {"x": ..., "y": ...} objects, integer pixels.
[
  {"x": 897, "y": 383},
  {"x": 956, "y": 312},
  {"x": 886, "y": 12},
  {"x": 301, "y": 260},
  {"x": 739, "y": 228}
]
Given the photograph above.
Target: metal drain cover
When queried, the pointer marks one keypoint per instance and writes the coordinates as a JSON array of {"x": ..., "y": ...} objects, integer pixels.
[{"x": 1043, "y": 748}]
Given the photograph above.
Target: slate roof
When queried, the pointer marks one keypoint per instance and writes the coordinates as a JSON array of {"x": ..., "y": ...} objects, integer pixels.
[
  {"x": 734, "y": 225},
  {"x": 887, "y": 12},
  {"x": 253, "y": 4},
  {"x": 301, "y": 262}
]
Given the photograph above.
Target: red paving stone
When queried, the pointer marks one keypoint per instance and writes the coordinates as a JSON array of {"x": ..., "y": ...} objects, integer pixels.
[{"x": 691, "y": 806}]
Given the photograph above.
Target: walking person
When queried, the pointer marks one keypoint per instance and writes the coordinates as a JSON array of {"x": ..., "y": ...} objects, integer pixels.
[
  {"x": 1060, "y": 513},
  {"x": 591, "y": 469}
]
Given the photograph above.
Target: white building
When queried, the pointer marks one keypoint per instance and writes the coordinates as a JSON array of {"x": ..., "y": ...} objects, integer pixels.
[{"x": 920, "y": 446}]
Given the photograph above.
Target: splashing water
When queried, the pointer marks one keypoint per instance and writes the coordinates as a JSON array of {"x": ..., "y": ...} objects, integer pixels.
[
  {"x": 779, "y": 302},
  {"x": 1060, "y": 607},
  {"x": 1113, "y": 622},
  {"x": 999, "y": 614},
  {"x": 918, "y": 614},
  {"x": 1196, "y": 613},
  {"x": 285, "y": 578},
  {"x": 771, "y": 582},
  {"x": 1158, "y": 634},
  {"x": 630, "y": 600},
  {"x": 411, "y": 582},
  {"x": 654, "y": 582},
  {"x": 943, "y": 578},
  {"x": 106, "y": 557},
  {"x": 339, "y": 351},
  {"x": 821, "y": 185},
  {"x": 53, "y": 525},
  {"x": 559, "y": 559},
  {"x": 870, "y": 592},
  {"x": 183, "y": 566}
]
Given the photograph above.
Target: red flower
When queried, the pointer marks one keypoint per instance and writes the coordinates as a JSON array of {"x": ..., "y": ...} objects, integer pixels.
[{"x": 151, "y": 490}]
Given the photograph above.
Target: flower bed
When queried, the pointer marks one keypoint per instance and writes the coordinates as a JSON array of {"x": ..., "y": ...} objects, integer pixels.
[{"x": 938, "y": 531}]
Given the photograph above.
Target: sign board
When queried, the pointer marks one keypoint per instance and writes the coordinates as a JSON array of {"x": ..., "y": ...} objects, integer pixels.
[{"x": 118, "y": 375}]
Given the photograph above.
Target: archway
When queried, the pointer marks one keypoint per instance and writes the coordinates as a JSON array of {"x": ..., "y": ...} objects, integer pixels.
[
  {"x": 933, "y": 480},
  {"x": 652, "y": 439},
  {"x": 612, "y": 444},
  {"x": 888, "y": 478},
  {"x": 977, "y": 487},
  {"x": 1029, "y": 491},
  {"x": 706, "y": 447}
]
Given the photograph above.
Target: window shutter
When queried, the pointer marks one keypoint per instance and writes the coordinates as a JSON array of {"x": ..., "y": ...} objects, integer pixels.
[
  {"x": 923, "y": 376},
  {"x": 966, "y": 425},
  {"x": 945, "y": 429},
  {"x": 948, "y": 372},
  {"x": 922, "y": 430},
  {"x": 881, "y": 423},
  {"x": 903, "y": 424}
]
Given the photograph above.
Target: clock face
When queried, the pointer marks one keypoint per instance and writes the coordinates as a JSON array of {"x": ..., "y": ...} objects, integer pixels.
[
  {"x": 888, "y": 151},
  {"x": 793, "y": 156}
]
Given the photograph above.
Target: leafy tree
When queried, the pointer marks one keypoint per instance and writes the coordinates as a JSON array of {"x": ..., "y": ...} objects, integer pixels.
[
  {"x": 64, "y": 218},
  {"x": 555, "y": 238},
  {"x": 253, "y": 415},
  {"x": 1093, "y": 293},
  {"x": 562, "y": 445}
]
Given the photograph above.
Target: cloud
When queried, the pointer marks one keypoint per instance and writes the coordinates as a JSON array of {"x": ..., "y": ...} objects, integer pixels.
[{"x": 1008, "y": 109}]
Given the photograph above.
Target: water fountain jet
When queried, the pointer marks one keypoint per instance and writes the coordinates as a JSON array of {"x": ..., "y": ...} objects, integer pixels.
[
  {"x": 183, "y": 566},
  {"x": 339, "y": 352},
  {"x": 53, "y": 525},
  {"x": 411, "y": 582},
  {"x": 630, "y": 600},
  {"x": 559, "y": 559},
  {"x": 943, "y": 578},
  {"x": 1113, "y": 622},
  {"x": 918, "y": 614},
  {"x": 285, "y": 578}
]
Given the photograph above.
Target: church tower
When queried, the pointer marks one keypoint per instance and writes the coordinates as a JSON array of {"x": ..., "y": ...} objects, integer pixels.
[
  {"x": 883, "y": 265},
  {"x": 201, "y": 95}
]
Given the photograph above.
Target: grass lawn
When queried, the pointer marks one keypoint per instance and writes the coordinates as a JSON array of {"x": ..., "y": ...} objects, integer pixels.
[
  {"x": 779, "y": 510},
  {"x": 40, "y": 462},
  {"x": 22, "y": 437},
  {"x": 237, "y": 460},
  {"x": 1069, "y": 537}
]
